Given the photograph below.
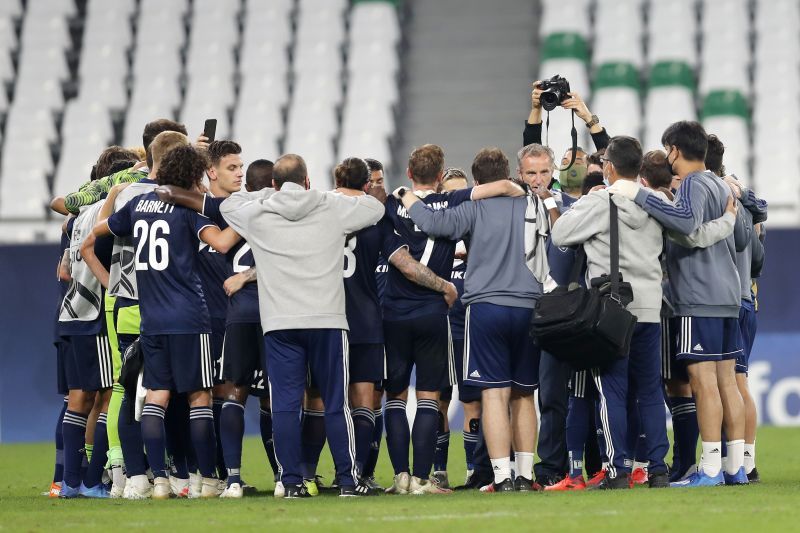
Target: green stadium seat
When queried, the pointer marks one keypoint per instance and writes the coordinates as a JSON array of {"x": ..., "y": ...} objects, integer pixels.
[{"x": 565, "y": 45}]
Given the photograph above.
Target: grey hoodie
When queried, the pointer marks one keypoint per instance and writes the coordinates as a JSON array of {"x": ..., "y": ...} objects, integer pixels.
[
  {"x": 297, "y": 237},
  {"x": 496, "y": 270},
  {"x": 704, "y": 281},
  {"x": 640, "y": 244}
]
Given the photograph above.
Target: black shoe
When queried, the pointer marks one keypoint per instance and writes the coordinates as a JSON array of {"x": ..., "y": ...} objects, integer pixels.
[
  {"x": 545, "y": 481},
  {"x": 523, "y": 484},
  {"x": 362, "y": 489},
  {"x": 615, "y": 483},
  {"x": 504, "y": 486},
  {"x": 753, "y": 476},
  {"x": 475, "y": 482},
  {"x": 248, "y": 489},
  {"x": 658, "y": 481},
  {"x": 296, "y": 491}
]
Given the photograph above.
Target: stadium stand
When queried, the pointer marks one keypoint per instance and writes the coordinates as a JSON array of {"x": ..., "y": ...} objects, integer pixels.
[
  {"x": 326, "y": 78},
  {"x": 274, "y": 74}
]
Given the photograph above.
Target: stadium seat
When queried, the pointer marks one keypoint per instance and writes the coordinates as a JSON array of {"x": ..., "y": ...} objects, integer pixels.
[
  {"x": 726, "y": 115},
  {"x": 670, "y": 98},
  {"x": 617, "y": 98},
  {"x": 565, "y": 16}
]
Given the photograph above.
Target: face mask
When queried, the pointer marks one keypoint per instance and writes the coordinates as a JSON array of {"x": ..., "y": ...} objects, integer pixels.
[
  {"x": 669, "y": 164},
  {"x": 572, "y": 178}
]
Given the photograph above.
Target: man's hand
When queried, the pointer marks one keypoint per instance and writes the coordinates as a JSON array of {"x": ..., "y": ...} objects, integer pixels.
[
  {"x": 733, "y": 183},
  {"x": 597, "y": 188},
  {"x": 165, "y": 193},
  {"x": 234, "y": 284},
  {"x": 542, "y": 192},
  {"x": 202, "y": 142},
  {"x": 536, "y": 94},
  {"x": 535, "y": 116},
  {"x": 396, "y": 192},
  {"x": 450, "y": 294},
  {"x": 139, "y": 165},
  {"x": 576, "y": 103},
  {"x": 626, "y": 188},
  {"x": 732, "y": 206}
]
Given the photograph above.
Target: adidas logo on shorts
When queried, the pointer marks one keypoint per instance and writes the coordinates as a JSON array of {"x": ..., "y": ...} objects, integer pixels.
[
  {"x": 475, "y": 374},
  {"x": 698, "y": 347}
]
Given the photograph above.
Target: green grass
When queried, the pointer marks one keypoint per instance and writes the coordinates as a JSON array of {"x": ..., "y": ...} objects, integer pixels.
[{"x": 26, "y": 470}]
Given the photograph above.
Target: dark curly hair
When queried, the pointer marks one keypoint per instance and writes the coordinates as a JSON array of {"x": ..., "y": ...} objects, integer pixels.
[
  {"x": 219, "y": 149},
  {"x": 183, "y": 167},
  {"x": 352, "y": 173}
]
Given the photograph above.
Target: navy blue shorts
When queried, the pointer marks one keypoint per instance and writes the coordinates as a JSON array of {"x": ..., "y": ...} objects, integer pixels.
[
  {"x": 244, "y": 357},
  {"x": 180, "y": 363},
  {"x": 708, "y": 339},
  {"x": 747, "y": 330},
  {"x": 367, "y": 363},
  {"x": 217, "y": 341},
  {"x": 499, "y": 352},
  {"x": 63, "y": 351},
  {"x": 466, "y": 393},
  {"x": 423, "y": 342},
  {"x": 671, "y": 367},
  {"x": 90, "y": 368}
]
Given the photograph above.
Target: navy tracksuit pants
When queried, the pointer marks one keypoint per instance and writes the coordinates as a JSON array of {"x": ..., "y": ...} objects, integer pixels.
[
  {"x": 290, "y": 355},
  {"x": 642, "y": 368}
]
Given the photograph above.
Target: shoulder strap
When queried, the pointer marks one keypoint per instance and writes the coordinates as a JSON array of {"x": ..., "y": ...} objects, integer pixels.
[
  {"x": 614, "y": 230},
  {"x": 577, "y": 265}
]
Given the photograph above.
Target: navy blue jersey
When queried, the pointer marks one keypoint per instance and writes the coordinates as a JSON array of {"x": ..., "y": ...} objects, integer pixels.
[
  {"x": 243, "y": 305},
  {"x": 458, "y": 311},
  {"x": 211, "y": 210},
  {"x": 362, "y": 252},
  {"x": 381, "y": 273},
  {"x": 214, "y": 269},
  {"x": 166, "y": 238},
  {"x": 404, "y": 299}
]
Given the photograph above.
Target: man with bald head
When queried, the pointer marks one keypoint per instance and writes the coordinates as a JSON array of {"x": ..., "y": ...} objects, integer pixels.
[{"x": 296, "y": 235}]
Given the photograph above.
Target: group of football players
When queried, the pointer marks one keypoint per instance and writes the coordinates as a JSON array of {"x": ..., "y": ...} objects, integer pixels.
[{"x": 191, "y": 281}]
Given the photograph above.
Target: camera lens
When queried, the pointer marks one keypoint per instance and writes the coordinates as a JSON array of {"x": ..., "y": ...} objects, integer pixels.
[{"x": 549, "y": 100}]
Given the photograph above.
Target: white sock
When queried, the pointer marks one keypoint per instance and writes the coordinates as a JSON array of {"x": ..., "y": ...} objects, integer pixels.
[
  {"x": 501, "y": 468},
  {"x": 711, "y": 460},
  {"x": 524, "y": 462},
  {"x": 637, "y": 464},
  {"x": 749, "y": 457},
  {"x": 735, "y": 456}
]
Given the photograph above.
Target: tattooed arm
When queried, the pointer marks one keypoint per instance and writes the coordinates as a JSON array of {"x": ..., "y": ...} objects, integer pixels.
[{"x": 422, "y": 275}]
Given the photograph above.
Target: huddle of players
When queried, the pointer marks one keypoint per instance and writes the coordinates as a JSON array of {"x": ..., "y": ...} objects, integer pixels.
[
  {"x": 149, "y": 274},
  {"x": 708, "y": 313},
  {"x": 155, "y": 263}
]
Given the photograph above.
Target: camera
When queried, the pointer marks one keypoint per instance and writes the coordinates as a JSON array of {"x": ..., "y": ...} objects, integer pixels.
[{"x": 554, "y": 92}]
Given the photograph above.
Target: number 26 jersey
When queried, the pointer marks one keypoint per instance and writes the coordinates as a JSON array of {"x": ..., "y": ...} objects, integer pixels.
[{"x": 166, "y": 240}]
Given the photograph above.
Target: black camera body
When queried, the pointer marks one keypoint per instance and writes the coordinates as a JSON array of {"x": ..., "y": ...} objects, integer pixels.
[{"x": 554, "y": 92}]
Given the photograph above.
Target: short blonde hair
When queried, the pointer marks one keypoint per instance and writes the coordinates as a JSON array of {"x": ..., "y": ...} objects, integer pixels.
[{"x": 166, "y": 141}]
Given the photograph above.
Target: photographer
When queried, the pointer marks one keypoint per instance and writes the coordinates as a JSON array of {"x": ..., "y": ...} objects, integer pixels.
[{"x": 533, "y": 126}]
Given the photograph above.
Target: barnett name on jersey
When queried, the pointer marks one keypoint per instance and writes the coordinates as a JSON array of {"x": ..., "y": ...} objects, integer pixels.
[{"x": 166, "y": 239}]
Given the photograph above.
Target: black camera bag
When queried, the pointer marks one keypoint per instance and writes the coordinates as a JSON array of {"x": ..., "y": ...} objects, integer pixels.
[{"x": 587, "y": 328}]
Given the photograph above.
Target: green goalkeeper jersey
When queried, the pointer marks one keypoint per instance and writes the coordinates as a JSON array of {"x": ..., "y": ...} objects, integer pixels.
[{"x": 91, "y": 191}]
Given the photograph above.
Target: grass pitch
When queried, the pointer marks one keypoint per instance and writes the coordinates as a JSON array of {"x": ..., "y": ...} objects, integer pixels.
[{"x": 26, "y": 470}]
